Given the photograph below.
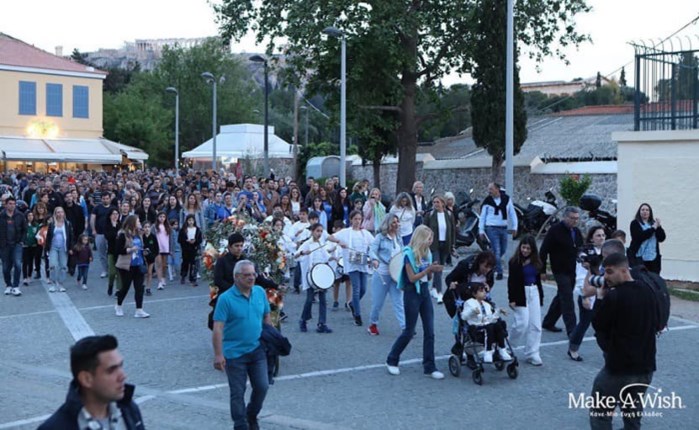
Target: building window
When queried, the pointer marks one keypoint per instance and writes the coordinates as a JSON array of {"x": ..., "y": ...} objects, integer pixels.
[
  {"x": 54, "y": 100},
  {"x": 81, "y": 103},
  {"x": 27, "y": 98}
]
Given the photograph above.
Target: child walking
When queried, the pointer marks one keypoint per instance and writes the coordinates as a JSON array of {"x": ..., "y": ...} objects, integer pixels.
[
  {"x": 82, "y": 253},
  {"x": 310, "y": 253},
  {"x": 30, "y": 249},
  {"x": 150, "y": 251},
  {"x": 526, "y": 297},
  {"x": 190, "y": 239},
  {"x": 163, "y": 234},
  {"x": 174, "y": 260}
]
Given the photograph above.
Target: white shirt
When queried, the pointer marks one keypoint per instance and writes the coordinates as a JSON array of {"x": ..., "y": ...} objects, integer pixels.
[
  {"x": 406, "y": 217},
  {"x": 319, "y": 254},
  {"x": 478, "y": 318},
  {"x": 356, "y": 241},
  {"x": 442, "y": 226}
]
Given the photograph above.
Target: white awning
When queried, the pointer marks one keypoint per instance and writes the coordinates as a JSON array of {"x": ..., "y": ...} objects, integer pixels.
[{"x": 97, "y": 151}]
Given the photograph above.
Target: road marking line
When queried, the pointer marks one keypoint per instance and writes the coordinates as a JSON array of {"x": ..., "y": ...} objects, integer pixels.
[
  {"x": 72, "y": 318},
  {"x": 15, "y": 424}
]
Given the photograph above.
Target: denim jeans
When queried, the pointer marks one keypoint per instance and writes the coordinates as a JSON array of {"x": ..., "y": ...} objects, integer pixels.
[
  {"x": 253, "y": 365},
  {"x": 562, "y": 304},
  {"x": 58, "y": 264},
  {"x": 322, "y": 306},
  {"x": 11, "y": 257},
  {"x": 498, "y": 240},
  {"x": 609, "y": 385},
  {"x": 82, "y": 272},
  {"x": 416, "y": 304},
  {"x": 359, "y": 281},
  {"x": 578, "y": 333},
  {"x": 382, "y": 285}
]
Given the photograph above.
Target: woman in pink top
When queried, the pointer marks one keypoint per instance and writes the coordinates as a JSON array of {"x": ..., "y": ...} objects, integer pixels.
[{"x": 162, "y": 234}]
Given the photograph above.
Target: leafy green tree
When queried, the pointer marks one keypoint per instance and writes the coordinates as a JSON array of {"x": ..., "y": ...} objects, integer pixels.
[
  {"x": 488, "y": 94},
  {"x": 622, "y": 77},
  {"x": 421, "y": 42}
]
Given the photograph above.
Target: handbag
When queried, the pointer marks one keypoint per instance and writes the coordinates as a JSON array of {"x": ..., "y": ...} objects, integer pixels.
[{"x": 123, "y": 262}]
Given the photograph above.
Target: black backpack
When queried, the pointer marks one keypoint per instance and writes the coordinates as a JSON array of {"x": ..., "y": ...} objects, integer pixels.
[{"x": 660, "y": 293}]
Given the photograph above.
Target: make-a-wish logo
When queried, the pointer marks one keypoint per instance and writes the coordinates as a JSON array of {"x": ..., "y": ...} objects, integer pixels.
[{"x": 631, "y": 396}]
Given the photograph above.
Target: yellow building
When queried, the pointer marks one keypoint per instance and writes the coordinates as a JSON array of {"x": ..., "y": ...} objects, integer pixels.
[{"x": 51, "y": 113}]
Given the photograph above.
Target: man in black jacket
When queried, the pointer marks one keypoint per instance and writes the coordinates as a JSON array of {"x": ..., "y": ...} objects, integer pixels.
[
  {"x": 98, "y": 396},
  {"x": 625, "y": 322},
  {"x": 562, "y": 243},
  {"x": 13, "y": 228}
]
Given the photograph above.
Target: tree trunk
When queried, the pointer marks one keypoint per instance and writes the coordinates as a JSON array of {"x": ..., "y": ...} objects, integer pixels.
[
  {"x": 407, "y": 135},
  {"x": 376, "y": 164},
  {"x": 496, "y": 171}
]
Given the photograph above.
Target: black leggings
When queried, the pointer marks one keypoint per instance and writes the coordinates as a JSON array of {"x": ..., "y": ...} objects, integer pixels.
[
  {"x": 189, "y": 265},
  {"x": 31, "y": 257},
  {"x": 127, "y": 276}
]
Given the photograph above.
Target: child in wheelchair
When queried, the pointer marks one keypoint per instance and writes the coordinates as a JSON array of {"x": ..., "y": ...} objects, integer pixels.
[{"x": 484, "y": 324}]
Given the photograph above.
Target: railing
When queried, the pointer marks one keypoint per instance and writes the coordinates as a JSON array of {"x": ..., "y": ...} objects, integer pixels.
[{"x": 667, "y": 90}]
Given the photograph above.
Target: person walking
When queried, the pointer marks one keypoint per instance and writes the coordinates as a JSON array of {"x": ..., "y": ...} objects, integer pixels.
[
  {"x": 498, "y": 219},
  {"x": 98, "y": 220},
  {"x": 385, "y": 246},
  {"x": 440, "y": 221},
  {"x": 13, "y": 229},
  {"x": 111, "y": 230},
  {"x": 403, "y": 208},
  {"x": 238, "y": 318},
  {"x": 30, "y": 248},
  {"x": 562, "y": 243},
  {"x": 130, "y": 263},
  {"x": 625, "y": 323},
  {"x": 646, "y": 235},
  {"x": 526, "y": 297},
  {"x": 59, "y": 242},
  {"x": 414, "y": 281},
  {"x": 98, "y": 396}
]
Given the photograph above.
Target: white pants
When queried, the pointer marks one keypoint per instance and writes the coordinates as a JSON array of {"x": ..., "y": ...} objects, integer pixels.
[{"x": 527, "y": 325}]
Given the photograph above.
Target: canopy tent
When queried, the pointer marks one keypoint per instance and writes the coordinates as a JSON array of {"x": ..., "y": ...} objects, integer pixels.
[
  {"x": 95, "y": 151},
  {"x": 242, "y": 141}
]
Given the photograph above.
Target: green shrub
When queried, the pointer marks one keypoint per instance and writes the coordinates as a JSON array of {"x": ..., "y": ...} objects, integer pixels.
[{"x": 573, "y": 187}]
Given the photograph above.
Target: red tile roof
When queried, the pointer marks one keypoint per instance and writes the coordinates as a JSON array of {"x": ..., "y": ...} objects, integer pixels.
[
  {"x": 14, "y": 52},
  {"x": 598, "y": 110}
]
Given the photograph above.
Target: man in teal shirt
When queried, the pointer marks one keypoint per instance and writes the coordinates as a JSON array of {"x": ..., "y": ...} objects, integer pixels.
[{"x": 238, "y": 318}]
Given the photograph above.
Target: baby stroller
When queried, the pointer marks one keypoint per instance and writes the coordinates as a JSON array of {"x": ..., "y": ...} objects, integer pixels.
[{"x": 468, "y": 345}]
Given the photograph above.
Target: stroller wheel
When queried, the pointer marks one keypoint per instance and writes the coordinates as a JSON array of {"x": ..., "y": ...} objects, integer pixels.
[
  {"x": 454, "y": 366},
  {"x": 477, "y": 377},
  {"x": 499, "y": 365},
  {"x": 512, "y": 371}
]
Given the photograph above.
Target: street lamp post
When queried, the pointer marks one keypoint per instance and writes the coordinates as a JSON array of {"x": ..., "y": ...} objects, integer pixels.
[
  {"x": 304, "y": 108},
  {"x": 261, "y": 59},
  {"x": 509, "y": 102},
  {"x": 211, "y": 79},
  {"x": 334, "y": 32},
  {"x": 177, "y": 128}
]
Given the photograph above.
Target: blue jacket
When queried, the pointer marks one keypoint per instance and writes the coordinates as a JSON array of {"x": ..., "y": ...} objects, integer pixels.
[{"x": 66, "y": 417}]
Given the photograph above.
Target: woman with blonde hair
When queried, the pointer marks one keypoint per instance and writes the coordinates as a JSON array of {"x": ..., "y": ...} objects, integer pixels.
[
  {"x": 374, "y": 211},
  {"x": 414, "y": 280},
  {"x": 403, "y": 208}
]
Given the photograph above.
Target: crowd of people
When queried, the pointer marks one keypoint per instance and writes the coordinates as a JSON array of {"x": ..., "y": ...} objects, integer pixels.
[{"x": 132, "y": 225}]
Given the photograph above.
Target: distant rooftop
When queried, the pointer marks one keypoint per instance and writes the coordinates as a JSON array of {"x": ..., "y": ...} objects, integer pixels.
[{"x": 16, "y": 53}]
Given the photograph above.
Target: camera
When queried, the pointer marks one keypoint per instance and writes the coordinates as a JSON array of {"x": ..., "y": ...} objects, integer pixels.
[
  {"x": 586, "y": 253},
  {"x": 597, "y": 281}
]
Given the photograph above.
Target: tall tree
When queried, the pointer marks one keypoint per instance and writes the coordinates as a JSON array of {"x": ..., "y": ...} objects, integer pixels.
[
  {"x": 488, "y": 94},
  {"x": 422, "y": 41}
]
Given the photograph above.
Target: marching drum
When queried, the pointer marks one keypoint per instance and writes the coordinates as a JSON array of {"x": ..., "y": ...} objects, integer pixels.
[
  {"x": 321, "y": 276},
  {"x": 395, "y": 266},
  {"x": 359, "y": 258}
]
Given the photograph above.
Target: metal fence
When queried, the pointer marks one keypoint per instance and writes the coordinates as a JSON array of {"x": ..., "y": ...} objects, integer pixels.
[{"x": 667, "y": 90}]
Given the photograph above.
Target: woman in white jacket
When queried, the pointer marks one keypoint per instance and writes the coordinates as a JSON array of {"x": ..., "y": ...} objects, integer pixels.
[{"x": 403, "y": 208}]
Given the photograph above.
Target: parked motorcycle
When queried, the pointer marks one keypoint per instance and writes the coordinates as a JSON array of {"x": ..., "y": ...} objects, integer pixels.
[
  {"x": 537, "y": 216},
  {"x": 591, "y": 203},
  {"x": 468, "y": 218}
]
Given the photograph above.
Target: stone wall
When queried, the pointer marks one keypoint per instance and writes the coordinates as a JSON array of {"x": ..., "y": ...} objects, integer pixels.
[{"x": 527, "y": 184}]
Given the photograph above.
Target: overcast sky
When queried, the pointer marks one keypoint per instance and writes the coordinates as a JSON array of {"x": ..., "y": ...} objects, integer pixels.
[{"x": 92, "y": 24}]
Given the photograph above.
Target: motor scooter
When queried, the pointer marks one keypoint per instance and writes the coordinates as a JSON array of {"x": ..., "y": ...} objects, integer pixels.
[
  {"x": 468, "y": 218},
  {"x": 536, "y": 215},
  {"x": 591, "y": 203}
]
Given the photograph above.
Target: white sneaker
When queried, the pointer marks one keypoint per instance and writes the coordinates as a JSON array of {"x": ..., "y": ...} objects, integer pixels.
[
  {"x": 393, "y": 370},
  {"x": 61, "y": 288},
  {"x": 535, "y": 361},
  {"x": 140, "y": 313},
  {"x": 434, "y": 293},
  {"x": 52, "y": 289},
  {"x": 488, "y": 357},
  {"x": 49, "y": 281},
  {"x": 161, "y": 286},
  {"x": 103, "y": 275},
  {"x": 440, "y": 298},
  {"x": 8, "y": 291},
  {"x": 119, "y": 311},
  {"x": 84, "y": 287},
  {"x": 435, "y": 375},
  {"x": 16, "y": 292},
  {"x": 504, "y": 355},
  {"x": 25, "y": 282}
]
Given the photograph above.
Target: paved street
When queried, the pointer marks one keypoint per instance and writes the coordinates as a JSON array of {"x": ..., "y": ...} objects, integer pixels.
[{"x": 335, "y": 381}]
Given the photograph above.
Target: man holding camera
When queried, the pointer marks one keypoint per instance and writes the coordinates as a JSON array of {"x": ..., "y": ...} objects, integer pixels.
[
  {"x": 625, "y": 321},
  {"x": 562, "y": 243}
]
